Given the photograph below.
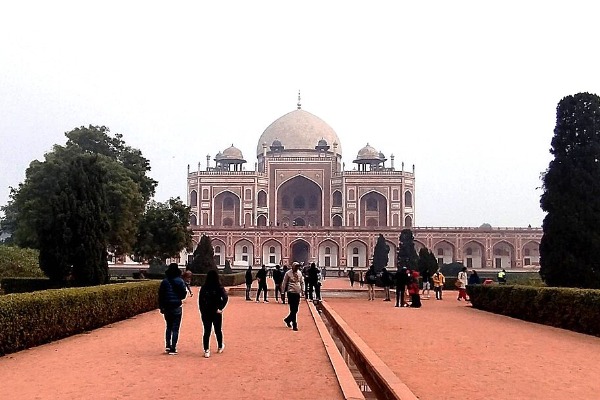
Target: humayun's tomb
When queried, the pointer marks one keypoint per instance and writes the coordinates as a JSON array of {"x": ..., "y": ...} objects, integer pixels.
[{"x": 300, "y": 204}]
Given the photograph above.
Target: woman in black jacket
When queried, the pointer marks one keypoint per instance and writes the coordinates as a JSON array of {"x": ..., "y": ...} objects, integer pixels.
[
  {"x": 212, "y": 300},
  {"x": 170, "y": 293}
]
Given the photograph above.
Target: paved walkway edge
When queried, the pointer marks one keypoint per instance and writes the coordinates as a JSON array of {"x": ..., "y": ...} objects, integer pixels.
[
  {"x": 347, "y": 383},
  {"x": 378, "y": 375}
]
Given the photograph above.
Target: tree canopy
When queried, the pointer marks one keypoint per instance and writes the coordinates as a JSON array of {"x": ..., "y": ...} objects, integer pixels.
[
  {"x": 163, "y": 230},
  {"x": 427, "y": 261},
  {"x": 85, "y": 197},
  {"x": 126, "y": 186},
  {"x": 571, "y": 197}
]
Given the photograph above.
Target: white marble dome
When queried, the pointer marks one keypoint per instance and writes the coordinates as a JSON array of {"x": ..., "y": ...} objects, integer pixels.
[{"x": 299, "y": 130}]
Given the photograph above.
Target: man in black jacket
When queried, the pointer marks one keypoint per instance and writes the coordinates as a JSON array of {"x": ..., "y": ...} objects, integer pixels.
[
  {"x": 170, "y": 293},
  {"x": 386, "y": 281},
  {"x": 277, "y": 279},
  {"x": 249, "y": 280},
  {"x": 261, "y": 276},
  {"x": 402, "y": 280}
]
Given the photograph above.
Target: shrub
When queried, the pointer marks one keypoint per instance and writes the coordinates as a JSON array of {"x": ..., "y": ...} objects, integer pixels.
[
  {"x": 567, "y": 308},
  {"x": 31, "y": 319},
  {"x": 226, "y": 279}
]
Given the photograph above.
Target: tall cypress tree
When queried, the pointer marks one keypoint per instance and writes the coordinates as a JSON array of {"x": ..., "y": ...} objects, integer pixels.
[
  {"x": 407, "y": 255},
  {"x": 380, "y": 254},
  {"x": 571, "y": 198},
  {"x": 204, "y": 257}
]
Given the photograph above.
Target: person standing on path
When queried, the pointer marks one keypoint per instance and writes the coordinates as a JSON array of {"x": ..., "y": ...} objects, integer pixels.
[
  {"x": 351, "y": 275},
  {"x": 277, "y": 279},
  {"x": 313, "y": 282},
  {"x": 401, "y": 282},
  {"x": 170, "y": 293},
  {"x": 474, "y": 279},
  {"x": 361, "y": 278},
  {"x": 413, "y": 290},
  {"x": 187, "y": 279},
  {"x": 283, "y": 288},
  {"x": 371, "y": 278},
  {"x": 211, "y": 301},
  {"x": 294, "y": 282},
  {"x": 438, "y": 284},
  {"x": 426, "y": 282},
  {"x": 386, "y": 281},
  {"x": 462, "y": 284},
  {"x": 261, "y": 277},
  {"x": 249, "y": 280}
]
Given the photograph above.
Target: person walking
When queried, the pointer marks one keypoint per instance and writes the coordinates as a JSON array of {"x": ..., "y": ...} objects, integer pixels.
[
  {"x": 261, "y": 277},
  {"x": 212, "y": 301},
  {"x": 305, "y": 269},
  {"x": 170, "y": 293},
  {"x": 502, "y": 276},
  {"x": 438, "y": 284},
  {"x": 386, "y": 281},
  {"x": 351, "y": 275},
  {"x": 461, "y": 284},
  {"x": 277, "y": 279},
  {"x": 361, "y": 278},
  {"x": 294, "y": 281},
  {"x": 371, "y": 278},
  {"x": 401, "y": 282},
  {"x": 249, "y": 280},
  {"x": 187, "y": 279},
  {"x": 323, "y": 273}
]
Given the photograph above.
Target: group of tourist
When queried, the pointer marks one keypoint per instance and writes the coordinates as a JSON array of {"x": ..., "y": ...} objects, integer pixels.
[
  {"x": 211, "y": 302},
  {"x": 312, "y": 278}
]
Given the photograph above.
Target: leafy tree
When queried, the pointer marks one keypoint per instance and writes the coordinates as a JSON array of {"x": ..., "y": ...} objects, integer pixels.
[
  {"x": 126, "y": 186},
  {"x": 427, "y": 261},
  {"x": 571, "y": 198},
  {"x": 163, "y": 230},
  {"x": 380, "y": 254},
  {"x": 19, "y": 262},
  {"x": 204, "y": 257},
  {"x": 407, "y": 255}
]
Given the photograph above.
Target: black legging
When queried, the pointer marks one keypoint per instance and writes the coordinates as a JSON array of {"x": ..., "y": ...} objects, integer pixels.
[
  {"x": 294, "y": 302},
  {"x": 208, "y": 321},
  {"x": 262, "y": 287}
]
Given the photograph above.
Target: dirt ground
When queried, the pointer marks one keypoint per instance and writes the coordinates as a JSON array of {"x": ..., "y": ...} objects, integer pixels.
[
  {"x": 448, "y": 350},
  {"x": 263, "y": 359}
]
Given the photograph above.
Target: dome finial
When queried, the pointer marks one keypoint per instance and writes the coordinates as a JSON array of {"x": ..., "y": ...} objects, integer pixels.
[{"x": 299, "y": 103}]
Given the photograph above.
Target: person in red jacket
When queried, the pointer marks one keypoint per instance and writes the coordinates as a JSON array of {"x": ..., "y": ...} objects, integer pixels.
[{"x": 413, "y": 290}]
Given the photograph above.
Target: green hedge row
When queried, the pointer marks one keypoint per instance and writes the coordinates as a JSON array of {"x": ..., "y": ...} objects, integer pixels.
[
  {"x": 226, "y": 279},
  {"x": 31, "y": 319},
  {"x": 567, "y": 308}
]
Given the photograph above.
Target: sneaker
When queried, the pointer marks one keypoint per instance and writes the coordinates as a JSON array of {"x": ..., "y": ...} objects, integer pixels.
[
  {"x": 172, "y": 352},
  {"x": 295, "y": 328},
  {"x": 167, "y": 349},
  {"x": 206, "y": 353},
  {"x": 266, "y": 301},
  {"x": 257, "y": 301},
  {"x": 220, "y": 350},
  {"x": 287, "y": 323}
]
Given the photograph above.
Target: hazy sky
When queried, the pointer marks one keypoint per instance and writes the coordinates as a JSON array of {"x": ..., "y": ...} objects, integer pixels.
[{"x": 465, "y": 90}]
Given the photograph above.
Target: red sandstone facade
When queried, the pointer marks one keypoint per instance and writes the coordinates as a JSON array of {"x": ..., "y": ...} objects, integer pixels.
[{"x": 301, "y": 205}]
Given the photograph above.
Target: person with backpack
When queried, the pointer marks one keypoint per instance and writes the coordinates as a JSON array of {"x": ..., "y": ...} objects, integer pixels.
[
  {"x": 211, "y": 302},
  {"x": 171, "y": 292}
]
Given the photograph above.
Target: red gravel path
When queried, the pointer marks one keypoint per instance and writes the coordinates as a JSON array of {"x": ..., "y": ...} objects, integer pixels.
[
  {"x": 448, "y": 350},
  {"x": 126, "y": 360}
]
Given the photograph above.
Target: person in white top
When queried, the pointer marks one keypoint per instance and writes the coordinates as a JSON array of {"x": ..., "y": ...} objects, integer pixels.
[
  {"x": 295, "y": 282},
  {"x": 462, "y": 284}
]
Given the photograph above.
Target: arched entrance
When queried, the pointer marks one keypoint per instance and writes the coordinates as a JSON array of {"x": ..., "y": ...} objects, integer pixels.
[
  {"x": 299, "y": 200},
  {"x": 300, "y": 251}
]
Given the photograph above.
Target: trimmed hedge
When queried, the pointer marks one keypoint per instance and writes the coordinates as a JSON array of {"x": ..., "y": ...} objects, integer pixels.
[
  {"x": 31, "y": 319},
  {"x": 567, "y": 308},
  {"x": 25, "y": 285},
  {"x": 226, "y": 279}
]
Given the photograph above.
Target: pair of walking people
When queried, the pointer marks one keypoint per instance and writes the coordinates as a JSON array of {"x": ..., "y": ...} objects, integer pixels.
[{"x": 211, "y": 301}]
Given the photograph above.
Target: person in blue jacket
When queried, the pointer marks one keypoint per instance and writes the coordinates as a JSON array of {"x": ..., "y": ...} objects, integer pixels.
[{"x": 170, "y": 293}]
